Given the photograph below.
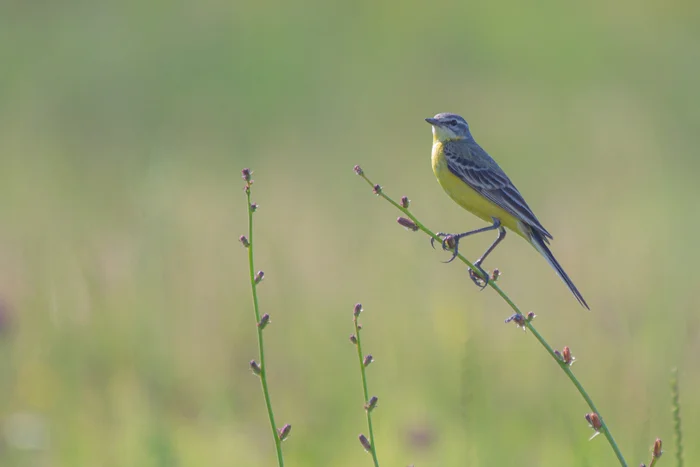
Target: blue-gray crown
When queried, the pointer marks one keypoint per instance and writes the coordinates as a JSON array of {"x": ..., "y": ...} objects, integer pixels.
[{"x": 453, "y": 122}]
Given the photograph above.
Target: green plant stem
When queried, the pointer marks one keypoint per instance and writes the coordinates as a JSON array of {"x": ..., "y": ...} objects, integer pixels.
[
  {"x": 676, "y": 408},
  {"x": 360, "y": 357},
  {"x": 261, "y": 347},
  {"x": 567, "y": 370}
]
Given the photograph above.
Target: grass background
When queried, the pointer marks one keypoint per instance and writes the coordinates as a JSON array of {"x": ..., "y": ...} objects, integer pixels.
[{"x": 126, "y": 317}]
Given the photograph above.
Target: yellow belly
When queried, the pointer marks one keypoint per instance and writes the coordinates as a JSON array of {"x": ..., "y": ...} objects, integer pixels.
[{"x": 466, "y": 196}]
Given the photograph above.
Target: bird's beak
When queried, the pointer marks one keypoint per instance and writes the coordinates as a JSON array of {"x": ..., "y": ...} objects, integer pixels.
[{"x": 432, "y": 121}]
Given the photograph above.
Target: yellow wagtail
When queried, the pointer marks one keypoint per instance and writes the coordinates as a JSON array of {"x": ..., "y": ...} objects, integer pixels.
[{"x": 475, "y": 181}]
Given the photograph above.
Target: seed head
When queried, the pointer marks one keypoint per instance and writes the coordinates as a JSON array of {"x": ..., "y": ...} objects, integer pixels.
[
  {"x": 594, "y": 421},
  {"x": 405, "y": 202},
  {"x": 244, "y": 241},
  {"x": 567, "y": 358},
  {"x": 358, "y": 170},
  {"x": 259, "y": 277},
  {"x": 353, "y": 338},
  {"x": 377, "y": 189},
  {"x": 365, "y": 443},
  {"x": 495, "y": 274},
  {"x": 284, "y": 431},
  {"x": 358, "y": 309},
  {"x": 255, "y": 367},
  {"x": 368, "y": 359},
  {"x": 656, "y": 452},
  {"x": 245, "y": 173},
  {"x": 264, "y": 321},
  {"x": 518, "y": 319},
  {"x": 254, "y": 207},
  {"x": 530, "y": 316},
  {"x": 246, "y": 176},
  {"x": 371, "y": 404},
  {"x": 408, "y": 223}
]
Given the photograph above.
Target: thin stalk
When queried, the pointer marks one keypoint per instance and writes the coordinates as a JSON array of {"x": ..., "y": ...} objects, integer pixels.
[
  {"x": 261, "y": 348},
  {"x": 360, "y": 357},
  {"x": 565, "y": 368},
  {"x": 676, "y": 408}
]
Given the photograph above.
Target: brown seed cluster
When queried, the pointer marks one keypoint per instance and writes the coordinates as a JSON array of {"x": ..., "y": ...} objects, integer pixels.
[
  {"x": 246, "y": 175},
  {"x": 259, "y": 277},
  {"x": 594, "y": 421},
  {"x": 365, "y": 443},
  {"x": 518, "y": 319},
  {"x": 357, "y": 310},
  {"x": 408, "y": 223},
  {"x": 284, "y": 431},
  {"x": 264, "y": 321},
  {"x": 567, "y": 357},
  {"x": 371, "y": 404}
]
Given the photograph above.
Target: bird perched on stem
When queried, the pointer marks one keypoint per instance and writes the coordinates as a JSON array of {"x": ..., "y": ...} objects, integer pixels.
[{"x": 475, "y": 181}]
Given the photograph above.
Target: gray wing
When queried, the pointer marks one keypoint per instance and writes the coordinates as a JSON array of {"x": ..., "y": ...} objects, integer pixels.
[{"x": 468, "y": 161}]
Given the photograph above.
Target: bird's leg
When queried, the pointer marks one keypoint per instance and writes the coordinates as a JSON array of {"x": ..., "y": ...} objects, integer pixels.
[
  {"x": 477, "y": 264},
  {"x": 448, "y": 240}
]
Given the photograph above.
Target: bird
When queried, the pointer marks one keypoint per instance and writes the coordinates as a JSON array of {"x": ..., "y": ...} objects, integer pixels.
[{"x": 477, "y": 183}]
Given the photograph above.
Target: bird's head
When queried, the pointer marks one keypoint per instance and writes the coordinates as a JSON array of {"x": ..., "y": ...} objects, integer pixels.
[{"x": 448, "y": 127}]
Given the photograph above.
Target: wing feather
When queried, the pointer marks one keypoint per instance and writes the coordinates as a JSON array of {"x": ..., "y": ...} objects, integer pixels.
[{"x": 468, "y": 161}]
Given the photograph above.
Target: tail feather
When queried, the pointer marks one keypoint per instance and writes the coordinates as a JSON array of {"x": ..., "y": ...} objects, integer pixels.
[{"x": 540, "y": 244}]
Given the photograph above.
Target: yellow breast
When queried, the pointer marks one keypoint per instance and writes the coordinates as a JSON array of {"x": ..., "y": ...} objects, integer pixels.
[{"x": 466, "y": 196}]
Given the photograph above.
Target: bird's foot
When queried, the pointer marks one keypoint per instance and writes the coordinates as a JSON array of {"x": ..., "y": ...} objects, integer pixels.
[
  {"x": 480, "y": 282},
  {"x": 450, "y": 242}
]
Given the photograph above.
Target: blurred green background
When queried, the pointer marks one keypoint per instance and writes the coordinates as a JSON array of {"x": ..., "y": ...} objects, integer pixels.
[{"x": 126, "y": 324}]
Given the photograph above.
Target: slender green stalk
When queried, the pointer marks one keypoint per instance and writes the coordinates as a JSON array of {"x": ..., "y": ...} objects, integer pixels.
[
  {"x": 254, "y": 282},
  {"x": 368, "y": 410},
  {"x": 567, "y": 370},
  {"x": 676, "y": 408}
]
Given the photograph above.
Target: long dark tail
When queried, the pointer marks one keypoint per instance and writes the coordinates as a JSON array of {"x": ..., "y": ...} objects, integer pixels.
[{"x": 539, "y": 242}]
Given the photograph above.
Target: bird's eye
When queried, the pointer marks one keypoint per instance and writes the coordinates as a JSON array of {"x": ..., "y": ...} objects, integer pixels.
[{"x": 452, "y": 122}]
